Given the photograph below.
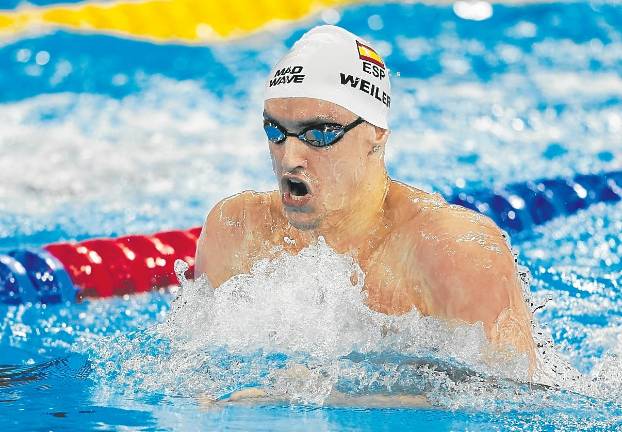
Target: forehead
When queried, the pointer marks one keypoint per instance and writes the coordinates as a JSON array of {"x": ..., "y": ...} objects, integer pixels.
[{"x": 299, "y": 109}]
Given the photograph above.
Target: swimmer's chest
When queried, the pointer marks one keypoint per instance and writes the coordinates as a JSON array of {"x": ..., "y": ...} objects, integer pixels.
[{"x": 392, "y": 285}]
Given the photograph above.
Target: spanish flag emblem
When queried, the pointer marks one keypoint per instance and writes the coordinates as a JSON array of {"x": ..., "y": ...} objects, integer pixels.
[{"x": 368, "y": 54}]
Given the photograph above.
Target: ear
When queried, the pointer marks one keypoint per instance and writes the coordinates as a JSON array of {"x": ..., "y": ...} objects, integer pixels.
[
  {"x": 378, "y": 139},
  {"x": 381, "y": 135}
]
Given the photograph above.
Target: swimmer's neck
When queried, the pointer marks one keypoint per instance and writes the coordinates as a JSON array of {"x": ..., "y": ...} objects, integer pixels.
[{"x": 353, "y": 229}]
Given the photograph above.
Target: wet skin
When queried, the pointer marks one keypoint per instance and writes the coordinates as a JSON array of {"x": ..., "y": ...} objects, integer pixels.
[{"x": 416, "y": 250}]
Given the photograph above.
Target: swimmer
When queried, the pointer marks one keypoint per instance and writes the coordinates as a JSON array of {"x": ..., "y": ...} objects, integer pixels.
[{"x": 326, "y": 120}]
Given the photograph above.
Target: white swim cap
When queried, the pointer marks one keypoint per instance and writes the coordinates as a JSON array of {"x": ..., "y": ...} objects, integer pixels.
[{"x": 332, "y": 64}]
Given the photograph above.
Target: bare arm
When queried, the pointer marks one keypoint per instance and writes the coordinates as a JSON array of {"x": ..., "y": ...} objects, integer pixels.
[{"x": 473, "y": 277}]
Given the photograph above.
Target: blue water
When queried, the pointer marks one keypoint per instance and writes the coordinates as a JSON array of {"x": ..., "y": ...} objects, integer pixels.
[{"x": 112, "y": 136}]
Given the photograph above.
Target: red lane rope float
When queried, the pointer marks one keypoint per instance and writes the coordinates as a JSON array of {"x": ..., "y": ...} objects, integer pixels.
[{"x": 125, "y": 265}]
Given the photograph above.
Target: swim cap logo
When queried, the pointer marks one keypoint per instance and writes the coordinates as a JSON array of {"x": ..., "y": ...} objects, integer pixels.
[
  {"x": 366, "y": 53},
  {"x": 374, "y": 66},
  {"x": 290, "y": 74},
  {"x": 366, "y": 87},
  {"x": 372, "y": 62}
]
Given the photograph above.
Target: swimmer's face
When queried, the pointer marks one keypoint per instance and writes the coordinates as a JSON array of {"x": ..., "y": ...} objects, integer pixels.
[{"x": 317, "y": 185}]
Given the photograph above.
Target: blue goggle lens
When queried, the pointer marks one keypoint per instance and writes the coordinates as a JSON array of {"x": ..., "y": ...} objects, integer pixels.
[
  {"x": 315, "y": 137},
  {"x": 274, "y": 134}
]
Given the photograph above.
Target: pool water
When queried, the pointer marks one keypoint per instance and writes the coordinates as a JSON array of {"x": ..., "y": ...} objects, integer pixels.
[{"x": 105, "y": 136}]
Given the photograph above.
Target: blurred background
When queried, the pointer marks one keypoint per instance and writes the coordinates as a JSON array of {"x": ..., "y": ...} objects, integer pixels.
[
  {"x": 121, "y": 117},
  {"x": 135, "y": 116}
]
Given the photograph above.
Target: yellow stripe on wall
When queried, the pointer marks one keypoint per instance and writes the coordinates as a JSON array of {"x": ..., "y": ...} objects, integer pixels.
[{"x": 191, "y": 21}]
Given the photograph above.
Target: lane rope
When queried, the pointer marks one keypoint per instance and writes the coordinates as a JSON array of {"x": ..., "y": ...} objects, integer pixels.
[
  {"x": 163, "y": 21},
  {"x": 70, "y": 271}
]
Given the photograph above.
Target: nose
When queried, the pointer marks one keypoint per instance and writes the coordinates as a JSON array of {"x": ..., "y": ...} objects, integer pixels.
[{"x": 293, "y": 154}]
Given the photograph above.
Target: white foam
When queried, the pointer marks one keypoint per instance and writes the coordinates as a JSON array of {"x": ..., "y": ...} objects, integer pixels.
[
  {"x": 218, "y": 341},
  {"x": 97, "y": 148},
  {"x": 301, "y": 335}
]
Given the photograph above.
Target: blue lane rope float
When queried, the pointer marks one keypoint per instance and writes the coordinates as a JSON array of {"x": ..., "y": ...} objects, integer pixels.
[
  {"x": 520, "y": 206},
  {"x": 103, "y": 267},
  {"x": 47, "y": 276},
  {"x": 15, "y": 285}
]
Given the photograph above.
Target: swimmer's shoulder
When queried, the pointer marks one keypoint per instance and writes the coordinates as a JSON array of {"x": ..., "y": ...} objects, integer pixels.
[
  {"x": 229, "y": 233},
  {"x": 466, "y": 260},
  {"x": 411, "y": 207},
  {"x": 436, "y": 225},
  {"x": 416, "y": 209},
  {"x": 238, "y": 212},
  {"x": 472, "y": 274}
]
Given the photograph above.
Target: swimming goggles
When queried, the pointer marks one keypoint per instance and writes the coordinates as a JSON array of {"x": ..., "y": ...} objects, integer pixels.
[{"x": 318, "y": 135}]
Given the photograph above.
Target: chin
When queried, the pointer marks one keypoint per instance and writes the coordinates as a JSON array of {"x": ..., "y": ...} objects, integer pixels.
[{"x": 302, "y": 224}]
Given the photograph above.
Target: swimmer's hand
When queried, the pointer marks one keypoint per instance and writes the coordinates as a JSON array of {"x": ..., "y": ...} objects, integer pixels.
[
  {"x": 336, "y": 399},
  {"x": 208, "y": 402},
  {"x": 296, "y": 374}
]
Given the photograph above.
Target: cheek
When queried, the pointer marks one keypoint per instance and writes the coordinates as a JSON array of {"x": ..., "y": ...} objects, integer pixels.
[
  {"x": 333, "y": 170},
  {"x": 347, "y": 169},
  {"x": 276, "y": 160},
  {"x": 343, "y": 175}
]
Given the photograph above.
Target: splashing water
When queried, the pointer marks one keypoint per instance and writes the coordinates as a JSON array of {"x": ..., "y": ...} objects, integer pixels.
[{"x": 304, "y": 336}]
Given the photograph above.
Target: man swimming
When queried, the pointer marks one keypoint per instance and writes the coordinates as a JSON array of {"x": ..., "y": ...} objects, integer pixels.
[{"x": 325, "y": 116}]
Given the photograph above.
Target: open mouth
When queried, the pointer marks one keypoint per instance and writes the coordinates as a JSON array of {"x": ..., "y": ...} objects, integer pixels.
[{"x": 296, "y": 187}]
